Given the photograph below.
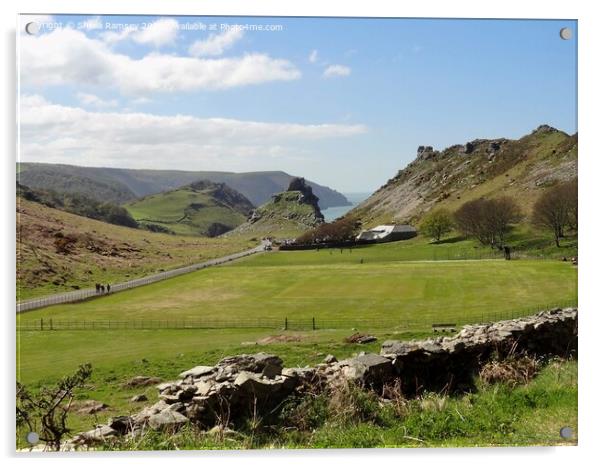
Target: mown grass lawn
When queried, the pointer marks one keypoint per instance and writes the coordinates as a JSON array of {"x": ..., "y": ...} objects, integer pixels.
[{"x": 425, "y": 292}]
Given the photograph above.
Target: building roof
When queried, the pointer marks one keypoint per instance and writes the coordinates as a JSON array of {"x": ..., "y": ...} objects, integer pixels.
[
  {"x": 403, "y": 229},
  {"x": 382, "y": 231}
]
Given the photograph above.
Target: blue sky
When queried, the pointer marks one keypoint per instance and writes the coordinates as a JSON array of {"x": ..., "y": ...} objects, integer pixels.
[{"x": 343, "y": 102}]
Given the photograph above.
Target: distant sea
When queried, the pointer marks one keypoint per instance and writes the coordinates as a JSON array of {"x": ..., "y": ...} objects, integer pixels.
[{"x": 335, "y": 212}]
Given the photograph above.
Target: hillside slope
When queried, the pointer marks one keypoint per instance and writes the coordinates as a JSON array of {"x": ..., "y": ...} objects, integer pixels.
[
  {"x": 519, "y": 168},
  {"x": 60, "y": 179},
  {"x": 58, "y": 251},
  {"x": 287, "y": 214},
  {"x": 129, "y": 184},
  {"x": 200, "y": 208}
]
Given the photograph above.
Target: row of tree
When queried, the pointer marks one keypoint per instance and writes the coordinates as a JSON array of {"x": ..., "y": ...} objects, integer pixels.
[
  {"x": 343, "y": 229},
  {"x": 79, "y": 204},
  {"x": 490, "y": 220}
]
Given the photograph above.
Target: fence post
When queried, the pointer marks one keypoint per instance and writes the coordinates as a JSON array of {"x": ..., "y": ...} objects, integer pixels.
[
  {"x": 286, "y": 323},
  {"x": 313, "y": 323},
  {"x": 50, "y": 324},
  {"x": 41, "y": 324}
]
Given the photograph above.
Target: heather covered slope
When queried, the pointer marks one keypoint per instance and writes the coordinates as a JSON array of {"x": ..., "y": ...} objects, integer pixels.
[
  {"x": 58, "y": 251},
  {"x": 519, "y": 168}
]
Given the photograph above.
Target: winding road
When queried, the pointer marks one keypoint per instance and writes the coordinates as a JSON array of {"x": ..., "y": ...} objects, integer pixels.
[{"x": 79, "y": 295}]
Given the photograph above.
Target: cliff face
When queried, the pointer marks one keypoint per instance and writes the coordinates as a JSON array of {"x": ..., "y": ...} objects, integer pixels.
[{"x": 519, "y": 168}]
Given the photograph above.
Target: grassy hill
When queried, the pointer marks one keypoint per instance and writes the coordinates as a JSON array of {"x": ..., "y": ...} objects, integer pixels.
[
  {"x": 201, "y": 208},
  {"x": 122, "y": 185},
  {"x": 481, "y": 168},
  {"x": 58, "y": 251}
]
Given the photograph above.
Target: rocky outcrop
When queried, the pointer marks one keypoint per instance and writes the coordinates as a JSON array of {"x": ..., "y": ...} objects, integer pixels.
[
  {"x": 448, "y": 177},
  {"x": 426, "y": 153},
  {"x": 544, "y": 129},
  {"x": 294, "y": 209},
  {"x": 248, "y": 384}
]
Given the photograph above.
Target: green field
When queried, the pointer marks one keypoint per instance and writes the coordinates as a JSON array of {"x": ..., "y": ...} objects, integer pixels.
[
  {"x": 403, "y": 290},
  {"x": 395, "y": 283}
]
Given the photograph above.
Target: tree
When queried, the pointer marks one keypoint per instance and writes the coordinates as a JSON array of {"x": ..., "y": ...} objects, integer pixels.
[
  {"x": 488, "y": 220},
  {"x": 343, "y": 229},
  {"x": 556, "y": 209},
  {"x": 501, "y": 213},
  {"x": 45, "y": 412},
  {"x": 436, "y": 224},
  {"x": 571, "y": 191},
  {"x": 471, "y": 220}
]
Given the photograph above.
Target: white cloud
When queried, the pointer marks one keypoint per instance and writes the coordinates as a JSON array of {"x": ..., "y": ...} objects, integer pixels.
[
  {"x": 66, "y": 56},
  {"x": 92, "y": 24},
  {"x": 162, "y": 32},
  {"x": 215, "y": 44},
  {"x": 92, "y": 100},
  {"x": 336, "y": 71},
  {"x": 62, "y": 134},
  {"x": 141, "y": 101},
  {"x": 313, "y": 56},
  {"x": 112, "y": 37}
]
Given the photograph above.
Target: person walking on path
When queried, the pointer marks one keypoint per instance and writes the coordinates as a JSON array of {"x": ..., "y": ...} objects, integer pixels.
[{"x": 108, "y": 288}]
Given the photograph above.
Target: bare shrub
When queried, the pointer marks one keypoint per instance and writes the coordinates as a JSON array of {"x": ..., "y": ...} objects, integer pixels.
[
  {"x": 46, "y": 411},
  {"x": 397, "y": 401},
  {"x": 512, "y": 371}
]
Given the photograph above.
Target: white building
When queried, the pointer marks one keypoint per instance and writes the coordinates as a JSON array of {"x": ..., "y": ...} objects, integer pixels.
[{"x": 386, "y": 233}]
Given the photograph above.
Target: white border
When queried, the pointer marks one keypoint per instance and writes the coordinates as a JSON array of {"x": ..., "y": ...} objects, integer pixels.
[{"x": 590, "y": 149}]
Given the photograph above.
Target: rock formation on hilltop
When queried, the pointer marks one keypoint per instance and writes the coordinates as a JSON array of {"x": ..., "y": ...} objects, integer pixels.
[
  {"x": 292, "y": 212},
  {"x": 519, "y": 168}
]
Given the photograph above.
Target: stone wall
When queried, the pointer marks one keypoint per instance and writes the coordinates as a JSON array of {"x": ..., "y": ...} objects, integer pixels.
[{"x": 238, "y": 386}]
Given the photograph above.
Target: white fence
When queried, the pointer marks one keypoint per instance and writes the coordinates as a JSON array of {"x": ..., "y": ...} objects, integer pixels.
[{"x": 80, "y": 295}]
